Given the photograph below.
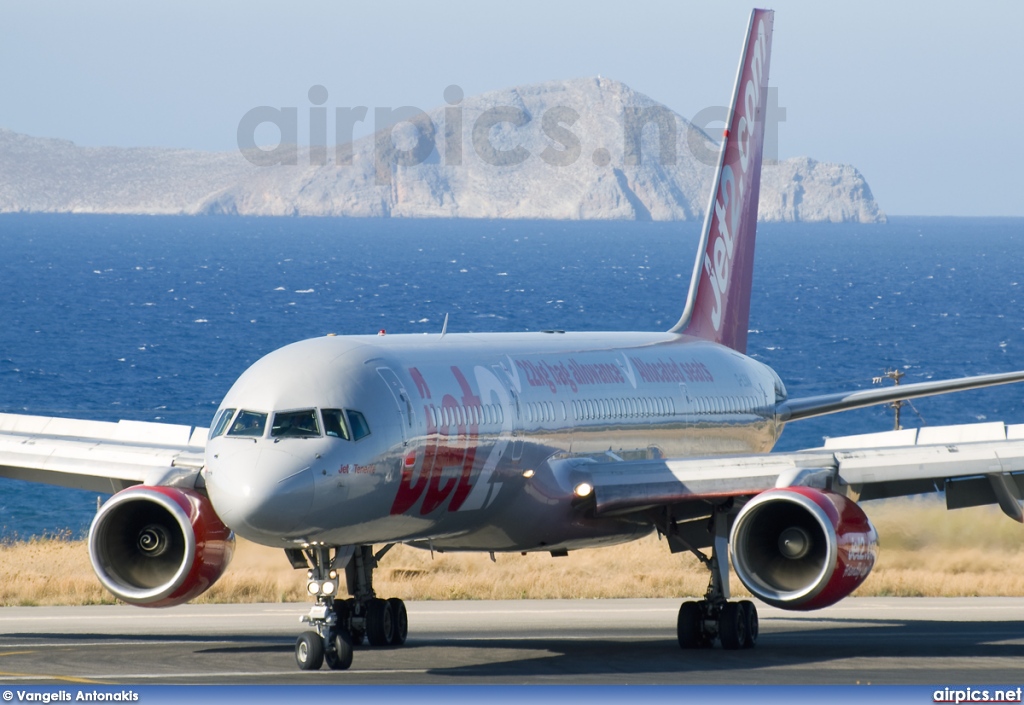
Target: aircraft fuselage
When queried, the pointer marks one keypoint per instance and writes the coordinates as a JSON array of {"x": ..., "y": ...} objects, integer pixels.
[{"x": 464, "y": 431}]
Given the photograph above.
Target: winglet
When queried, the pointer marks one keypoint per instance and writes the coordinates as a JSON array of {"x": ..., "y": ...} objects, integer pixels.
[{"x": 718, "y": 302}]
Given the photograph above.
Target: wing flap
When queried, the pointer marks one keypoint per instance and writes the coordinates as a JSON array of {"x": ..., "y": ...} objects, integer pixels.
[
  {"x": 864, "y": 467},
  {"x": 634, "y": 485},
  {"x": 971, "y": 471}
]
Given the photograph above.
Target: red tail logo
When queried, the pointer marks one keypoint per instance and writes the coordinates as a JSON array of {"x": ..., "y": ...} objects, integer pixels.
[{"x": 720, "y": 310}]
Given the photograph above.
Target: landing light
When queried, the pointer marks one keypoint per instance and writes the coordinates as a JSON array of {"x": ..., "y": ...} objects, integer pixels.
[
  {"x": 328, "y": 588},
  {"x": 528, "y": 474},
  {"x": 313, "y": 588},
  {"x": 584, "y": 489}
]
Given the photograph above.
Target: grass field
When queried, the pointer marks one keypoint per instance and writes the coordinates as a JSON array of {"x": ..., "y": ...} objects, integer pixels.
[{"x": 925, "y": 551}]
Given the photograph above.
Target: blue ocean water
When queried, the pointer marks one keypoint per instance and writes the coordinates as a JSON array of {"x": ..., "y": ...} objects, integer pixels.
[{"x": 152, "y": 318}]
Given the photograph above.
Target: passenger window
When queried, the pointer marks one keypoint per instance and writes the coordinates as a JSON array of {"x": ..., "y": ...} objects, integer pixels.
[
  {"x": 249, "y": 424},
  {"x": 334, "y": 423},
  {"x": 295, "y": 424},
  {"x": 357, "y": 422},
  {"x": 220, "y": 425}
]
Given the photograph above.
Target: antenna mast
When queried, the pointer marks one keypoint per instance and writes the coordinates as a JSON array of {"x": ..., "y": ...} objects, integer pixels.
[{"x": 895, "y": 376}]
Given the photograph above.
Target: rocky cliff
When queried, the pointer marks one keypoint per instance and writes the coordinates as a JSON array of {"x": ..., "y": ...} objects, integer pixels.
[{"x": 579, "y": 149}]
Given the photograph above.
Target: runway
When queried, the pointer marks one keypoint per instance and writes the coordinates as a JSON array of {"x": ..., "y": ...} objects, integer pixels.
[{"x": 867, "y": 640}]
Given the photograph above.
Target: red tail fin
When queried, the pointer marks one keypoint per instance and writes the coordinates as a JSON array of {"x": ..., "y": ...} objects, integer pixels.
[{"x": 718, "y": 304}]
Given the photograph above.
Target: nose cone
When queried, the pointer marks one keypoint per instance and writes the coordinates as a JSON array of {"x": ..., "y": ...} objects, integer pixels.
[{"x": 262, "y": 493}]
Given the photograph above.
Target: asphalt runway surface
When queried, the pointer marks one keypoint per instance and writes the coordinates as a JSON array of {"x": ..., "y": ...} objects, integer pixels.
[{"x": 861, "y": 640}]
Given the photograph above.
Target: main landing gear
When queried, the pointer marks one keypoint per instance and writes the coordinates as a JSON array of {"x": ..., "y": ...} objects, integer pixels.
[
  {"x": 338, "y": 625},
  {"x": 734, "y": 624}
]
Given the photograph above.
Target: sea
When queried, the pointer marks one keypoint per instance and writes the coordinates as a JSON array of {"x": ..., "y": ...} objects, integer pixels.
[{"x": 152, "y": 318}]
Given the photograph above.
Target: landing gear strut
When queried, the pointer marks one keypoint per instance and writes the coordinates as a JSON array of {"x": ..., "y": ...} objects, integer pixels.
[
  {"x": 734, "y": 624},
  {"x": 339, "y": 625}
]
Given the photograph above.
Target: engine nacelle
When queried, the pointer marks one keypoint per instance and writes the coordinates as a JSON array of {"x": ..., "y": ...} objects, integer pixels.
[
  {"x": 159, "y": 546},
  {"x": 800, "y": 548}
]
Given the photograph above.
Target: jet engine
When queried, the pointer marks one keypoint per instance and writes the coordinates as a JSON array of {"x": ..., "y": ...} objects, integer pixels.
[
  {"x": 800, "y": 548},
  {"x": 159, "y": 546}
]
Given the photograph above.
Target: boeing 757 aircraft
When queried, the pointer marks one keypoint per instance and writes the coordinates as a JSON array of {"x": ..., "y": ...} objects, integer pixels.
[{"x": 336, "y": 449}]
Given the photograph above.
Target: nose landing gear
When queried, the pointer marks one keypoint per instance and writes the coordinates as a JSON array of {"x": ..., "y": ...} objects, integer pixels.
[{"x": 338, "y": 625}]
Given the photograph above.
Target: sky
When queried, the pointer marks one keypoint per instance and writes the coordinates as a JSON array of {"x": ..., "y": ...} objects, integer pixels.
[{"x": 925, "y": 99}]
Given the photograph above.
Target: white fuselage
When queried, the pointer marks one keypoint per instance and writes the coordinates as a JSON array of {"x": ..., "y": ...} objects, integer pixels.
[{"x": 463, "y": 431}]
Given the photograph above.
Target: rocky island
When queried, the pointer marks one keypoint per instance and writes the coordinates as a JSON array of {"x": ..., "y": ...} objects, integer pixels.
[{"x": 578, "y": 149}]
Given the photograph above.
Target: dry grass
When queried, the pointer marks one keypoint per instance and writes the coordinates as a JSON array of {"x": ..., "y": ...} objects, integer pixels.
[{"x": 926, "y": 551}]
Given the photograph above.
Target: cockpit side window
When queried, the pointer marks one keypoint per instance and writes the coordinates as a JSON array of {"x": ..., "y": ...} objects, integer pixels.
[
  {"x": 334, "y": 423},
  {"x": 249, "y": 423},
  {"x": 357, "y": 422},
  {"x": 220, "y": 424},
  {"x": 295, "y": 424}
]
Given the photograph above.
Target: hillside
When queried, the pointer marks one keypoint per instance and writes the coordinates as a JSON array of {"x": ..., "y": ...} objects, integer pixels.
[{"x": 583, "y": 149}]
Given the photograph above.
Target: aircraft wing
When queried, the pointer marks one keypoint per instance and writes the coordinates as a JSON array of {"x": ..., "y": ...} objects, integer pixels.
[
  {"x": 973, "y": 464},
  {"x": 98, "y": 456},
  {"x": 807, "y": 407}
]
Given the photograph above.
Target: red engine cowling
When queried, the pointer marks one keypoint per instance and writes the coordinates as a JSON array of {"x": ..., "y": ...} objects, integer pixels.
[
  {"x": 800, "y": 548},
  {"x": 159, "y": 546}
]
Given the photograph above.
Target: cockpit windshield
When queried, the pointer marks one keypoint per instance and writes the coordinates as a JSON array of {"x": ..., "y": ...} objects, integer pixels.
[
  {"x": 249, "y": 423},
  {"x": 220, "y": 425},
  {"x": 334, "y": 423},
  {"x": 357, "y": 422},
  {"x": 295, "y": 424},
  {"x": 345, "y": 423}
]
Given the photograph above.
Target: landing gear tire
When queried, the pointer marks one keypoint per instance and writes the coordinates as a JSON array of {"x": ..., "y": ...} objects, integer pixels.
[
  {"x": 732, "y": 626},
  {"x": 380, "y": 622},
  {"x": 690, "y": 626},
  {"x": 339, "y": 657},
  {"x": 344, "y": 609},
  {"x": 400, "y": 619},
  {"x": 753, "y": 626},
  {"x": 309, "y": 651}
]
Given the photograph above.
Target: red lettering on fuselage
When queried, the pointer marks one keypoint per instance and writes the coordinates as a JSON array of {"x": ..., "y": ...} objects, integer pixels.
[
  {"x": 421, "y": 384},
  {"x": 470, "y": 432},
  {"x": 409, "y": 491},
  {"x": 571, "y": 373},
  {"x": 672, "y": 371},
  {"x": 450, "y": 445}
]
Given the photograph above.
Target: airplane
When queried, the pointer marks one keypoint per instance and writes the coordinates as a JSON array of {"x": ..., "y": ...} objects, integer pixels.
[{"x": 549, "y": 441}]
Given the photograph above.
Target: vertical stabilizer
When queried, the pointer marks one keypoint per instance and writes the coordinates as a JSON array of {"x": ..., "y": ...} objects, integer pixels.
[{"x": 718, "y": 303}]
